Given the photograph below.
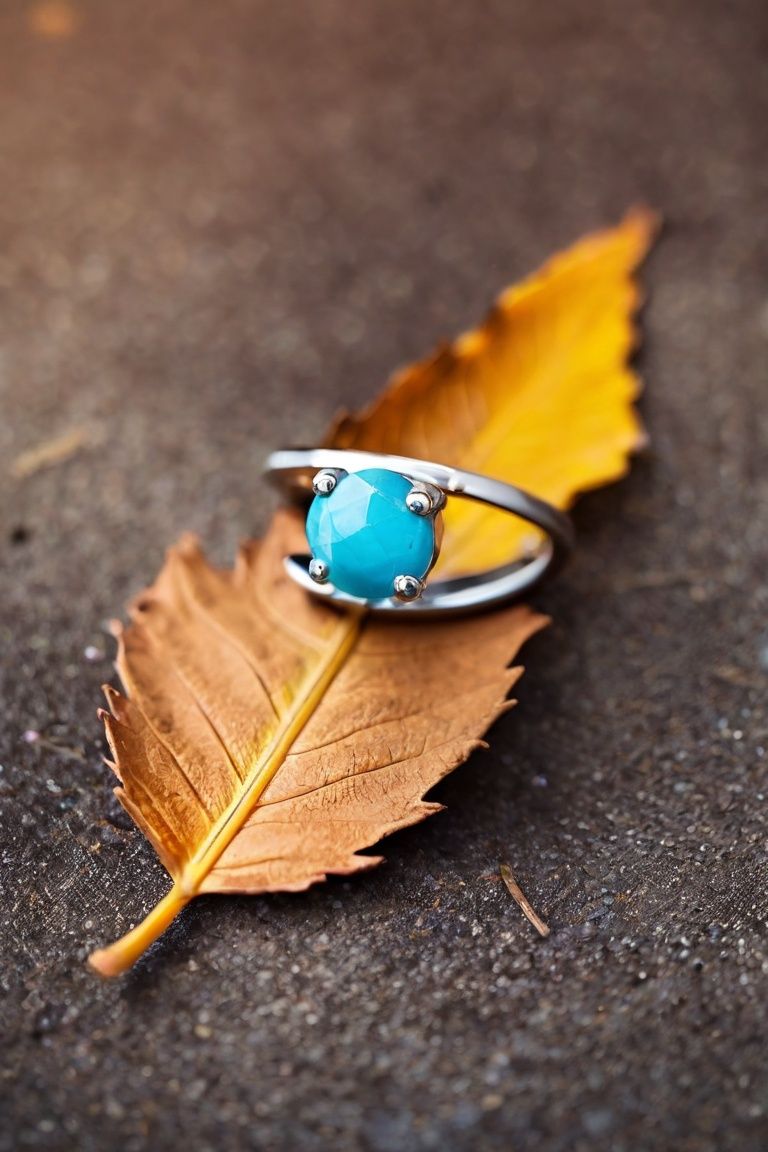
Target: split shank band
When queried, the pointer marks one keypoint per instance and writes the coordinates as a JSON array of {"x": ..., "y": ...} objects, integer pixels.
[{"x": 293, "y": 469}]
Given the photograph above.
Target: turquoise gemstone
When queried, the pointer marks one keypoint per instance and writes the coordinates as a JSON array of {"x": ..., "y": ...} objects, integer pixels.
[{"x": 367, "y": 535}]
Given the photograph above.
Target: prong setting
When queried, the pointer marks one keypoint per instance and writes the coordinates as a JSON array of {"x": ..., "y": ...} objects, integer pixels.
[
  {"x": 408, "y": 588},
  {"x": 425, "y": 499},
  {"x": 318, "y": 570},
  {"x": 326, "y": 480}
]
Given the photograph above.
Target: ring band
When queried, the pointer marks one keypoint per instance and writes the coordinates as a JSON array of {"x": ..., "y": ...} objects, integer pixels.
[{"x": 293, "y": 469}]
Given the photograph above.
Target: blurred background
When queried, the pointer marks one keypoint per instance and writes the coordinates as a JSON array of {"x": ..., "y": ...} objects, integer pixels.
[{"x": 220, "y": 223}]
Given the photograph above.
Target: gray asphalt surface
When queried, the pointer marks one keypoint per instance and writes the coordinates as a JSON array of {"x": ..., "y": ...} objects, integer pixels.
[{"x": 218, "y": 224}]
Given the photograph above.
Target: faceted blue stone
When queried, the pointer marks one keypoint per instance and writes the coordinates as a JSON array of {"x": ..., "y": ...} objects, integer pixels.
[{"x": 367, "y": 535}]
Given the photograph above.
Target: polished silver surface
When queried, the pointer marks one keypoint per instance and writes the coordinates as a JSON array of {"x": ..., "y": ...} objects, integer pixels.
[
  {"x": 292, "y": 469},
  {"x": 326, "y": 480},
  {"x": 408, "y": 588},
  {"x": 425, "y": 499},
  {"x": 318, "y": 570}
]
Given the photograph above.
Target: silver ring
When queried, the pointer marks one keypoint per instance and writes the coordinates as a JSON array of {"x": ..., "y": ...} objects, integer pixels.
[{"x": 417, "y": 489}]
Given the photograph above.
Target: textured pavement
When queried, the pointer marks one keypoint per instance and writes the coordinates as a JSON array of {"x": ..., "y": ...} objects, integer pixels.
[{"x": 218, "y": 224}]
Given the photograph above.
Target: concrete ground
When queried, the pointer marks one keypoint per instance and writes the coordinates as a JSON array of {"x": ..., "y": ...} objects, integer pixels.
[{"x": 218, "y": 223}]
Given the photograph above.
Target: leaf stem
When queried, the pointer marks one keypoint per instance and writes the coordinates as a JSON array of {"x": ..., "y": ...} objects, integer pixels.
[{"x": 118, "y": 957}]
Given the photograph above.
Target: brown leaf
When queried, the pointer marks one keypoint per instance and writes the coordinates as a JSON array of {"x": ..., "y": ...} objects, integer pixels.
[{"x": 266, "y": 738}]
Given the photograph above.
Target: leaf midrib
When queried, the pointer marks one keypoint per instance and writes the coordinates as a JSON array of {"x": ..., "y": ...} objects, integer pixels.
[{"x": 270, "y": 759}]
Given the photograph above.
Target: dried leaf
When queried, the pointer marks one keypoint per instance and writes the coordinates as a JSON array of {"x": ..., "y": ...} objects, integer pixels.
[{"x": 266, "y": 738}]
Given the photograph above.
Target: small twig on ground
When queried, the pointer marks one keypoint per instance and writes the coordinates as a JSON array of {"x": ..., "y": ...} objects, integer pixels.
[
  {"x": 518, "y": 896},
  {"x": 53, "y": 451},
  {"x": 32, "y": 736}
]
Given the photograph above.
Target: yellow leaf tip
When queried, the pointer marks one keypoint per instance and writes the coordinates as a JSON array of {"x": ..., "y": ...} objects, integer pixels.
[{"x": 645, "y": 219}]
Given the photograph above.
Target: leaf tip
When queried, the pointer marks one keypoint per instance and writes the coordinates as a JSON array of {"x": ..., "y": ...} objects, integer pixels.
[
  {"x": 646, "y": 221},
  {"x": 637, "y": 232},
  {"x": 186, "y": 545}
]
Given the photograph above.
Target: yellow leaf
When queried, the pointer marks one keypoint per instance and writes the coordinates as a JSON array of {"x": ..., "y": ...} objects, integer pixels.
[
  {"x": 540, "y": 395},
  {"x": 264, "y": 737}
]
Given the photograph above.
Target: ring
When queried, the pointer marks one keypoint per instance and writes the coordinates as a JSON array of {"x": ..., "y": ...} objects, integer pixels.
[{"x": 374, "y": 529}]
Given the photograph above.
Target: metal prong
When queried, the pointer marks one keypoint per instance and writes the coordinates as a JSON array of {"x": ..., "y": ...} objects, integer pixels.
[
  {"x": 408, "y": 587},
  {"x": 318, "y": 570},
  {"x": 425, "y": 499},
  {"x": 326, "y": 480}
]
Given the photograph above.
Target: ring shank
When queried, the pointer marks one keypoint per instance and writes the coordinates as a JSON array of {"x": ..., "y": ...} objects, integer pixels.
[{"x": 292, "y": 470}]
